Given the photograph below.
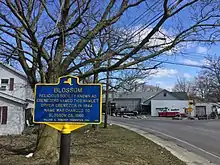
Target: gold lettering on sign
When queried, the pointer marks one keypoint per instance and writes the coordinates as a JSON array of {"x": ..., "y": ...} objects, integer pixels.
[
  {"x": 48, "y": 95},
  {"x": 87, "y": 110},
  {"x": 48, "y": 100},
  {"x": 87, "y": 105},
  {"x": 68, "y": 90},
  {"x": 47, "y": 105},
  {"x": 94, "y": 96},
  {"x": 60, "y": 110},
  {"x": 60, "y": 115},
  {"x": 66, "y": 100},
  {"x": 51, "y": 115},
  {"x": 49, "y": 110}
]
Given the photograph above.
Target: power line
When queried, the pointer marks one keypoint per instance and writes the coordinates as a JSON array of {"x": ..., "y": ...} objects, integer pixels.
[
  {"x": 145, "y": 26},
  {"x": 141, "y": 16},
  {"x": 149, "y": 23},
  {"x": 195, "y": 54},
  {"x": 182, "y": 64}
]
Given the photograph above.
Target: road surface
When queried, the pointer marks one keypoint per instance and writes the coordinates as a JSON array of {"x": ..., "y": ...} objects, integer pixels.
[{"x": 199, "y": 136}]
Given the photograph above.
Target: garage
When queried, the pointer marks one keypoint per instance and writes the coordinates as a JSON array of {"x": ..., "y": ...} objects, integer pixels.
[
  {"x": 128, "y": 104},
  {"x": 200, "y": 111},
  {"x": 152, "y": 102}
]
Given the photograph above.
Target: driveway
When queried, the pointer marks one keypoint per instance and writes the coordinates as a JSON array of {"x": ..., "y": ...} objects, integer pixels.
[{"x": 201, "y": 136}]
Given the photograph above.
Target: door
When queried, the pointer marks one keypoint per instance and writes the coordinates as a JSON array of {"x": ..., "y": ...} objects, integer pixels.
[{"x": 200, "y": 110}]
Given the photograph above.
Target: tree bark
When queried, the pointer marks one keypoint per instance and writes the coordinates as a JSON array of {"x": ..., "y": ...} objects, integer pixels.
[{"x": 47, "y": 142}]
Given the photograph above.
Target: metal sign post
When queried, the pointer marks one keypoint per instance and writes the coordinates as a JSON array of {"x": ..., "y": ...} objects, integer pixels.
[
  {"x": 65, "y": 149},
  {"x": 67, "y": 106},
  {"x": 65, "y": 146}
]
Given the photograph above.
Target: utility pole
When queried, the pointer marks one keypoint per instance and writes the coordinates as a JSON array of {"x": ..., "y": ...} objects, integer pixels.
[
  {"x": 107, "y": 80},
  {"x": 95, "y": 80},
  {"x": 107, "y": 95}
]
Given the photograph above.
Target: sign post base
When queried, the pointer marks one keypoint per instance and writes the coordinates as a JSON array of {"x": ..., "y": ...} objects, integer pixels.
[
  {"x": 65, "y": 145},
  {"x": 65, "y": 149}
]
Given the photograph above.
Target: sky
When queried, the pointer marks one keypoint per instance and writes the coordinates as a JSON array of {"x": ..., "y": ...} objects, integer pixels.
[
  {"x": 194, "y": 54},
  {"x": 167, "y": 74}
]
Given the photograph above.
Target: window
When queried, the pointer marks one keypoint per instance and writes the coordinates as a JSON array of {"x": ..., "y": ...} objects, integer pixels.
[
  {"x": 4, "y": 81},
  {"x": 3, "y": 115},
  {"x": 3, "y": 88},
  {"x": 7, "y": 84},
  {"x": 4, "y": 84}
]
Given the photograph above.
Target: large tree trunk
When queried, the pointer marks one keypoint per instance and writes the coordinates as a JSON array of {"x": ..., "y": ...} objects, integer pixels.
[{"x": 47, "y": 143}]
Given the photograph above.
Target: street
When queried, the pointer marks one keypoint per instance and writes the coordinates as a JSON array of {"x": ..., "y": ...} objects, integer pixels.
[{"x": 199, "y": 136}]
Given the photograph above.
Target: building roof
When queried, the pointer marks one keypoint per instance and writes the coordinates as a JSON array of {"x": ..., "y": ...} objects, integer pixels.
[
  {"x": 12, "y": 98},
  {"x": 147, "y": 96},
  {"x": 180, "y": 95},
  {"x": 13, "y": 70},
  {"x": 177, "y": 95},
  {"x": 138, "y": 95},
  {"x": 30, "y": 100}
]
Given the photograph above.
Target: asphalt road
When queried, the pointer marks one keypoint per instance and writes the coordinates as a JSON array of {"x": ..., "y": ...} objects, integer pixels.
[{"x": 199, "y": 136}]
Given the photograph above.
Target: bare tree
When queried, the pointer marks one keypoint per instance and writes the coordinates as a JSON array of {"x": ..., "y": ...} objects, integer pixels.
[
  {"x": 183, "y": 85},
  {"x": 207, "y": 83},
  {"x": 50, "y": 38},
  {"x": 131, "y": 79},
  {"x": 201, "y": 86}
]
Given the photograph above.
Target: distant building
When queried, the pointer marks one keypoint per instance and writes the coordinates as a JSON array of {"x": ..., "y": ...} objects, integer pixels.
[
  {"x": 201, "y": 109},
  {"x": 16, "y": 100},
  {"x": 152, "y": 102}
]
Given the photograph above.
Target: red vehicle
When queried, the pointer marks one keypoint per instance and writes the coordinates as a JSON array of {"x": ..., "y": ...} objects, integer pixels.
[{"x": 170, "y": 113}]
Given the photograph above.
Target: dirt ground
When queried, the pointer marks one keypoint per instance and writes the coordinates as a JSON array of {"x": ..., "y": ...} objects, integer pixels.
[{"x": 111, "y": 146}]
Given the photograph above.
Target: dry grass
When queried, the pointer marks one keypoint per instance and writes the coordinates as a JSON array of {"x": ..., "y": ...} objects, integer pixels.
[{"x": 111, "y": 146}]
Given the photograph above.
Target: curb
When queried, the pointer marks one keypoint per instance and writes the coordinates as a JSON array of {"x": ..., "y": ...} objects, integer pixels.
[{"x": 186, "y": 156}]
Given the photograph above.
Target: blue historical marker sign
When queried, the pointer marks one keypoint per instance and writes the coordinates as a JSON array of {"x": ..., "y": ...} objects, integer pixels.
[{"x": 68, "y": 101}]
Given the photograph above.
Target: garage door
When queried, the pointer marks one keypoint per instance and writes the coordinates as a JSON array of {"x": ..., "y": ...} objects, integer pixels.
[{"x": 200, "y": 110}]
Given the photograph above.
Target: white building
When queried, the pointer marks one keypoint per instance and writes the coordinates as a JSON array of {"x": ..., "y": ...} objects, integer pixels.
[
  {"x": 201, "y": 109},
  {"x": 152, "y": 102},
  {"x": 16, "y": 98}
]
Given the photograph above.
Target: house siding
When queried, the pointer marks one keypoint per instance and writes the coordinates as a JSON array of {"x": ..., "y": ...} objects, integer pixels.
[
  {"x": 171, "y": 104},
  {"x": 20, "y": 83},
  {"x": 208, "y": 108},
  {"x": 149, "y": 101},
  {"x": 15, "y": 99},
  {"x": 29, "y": 93},
  {"x": 15, "y": 118}
]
